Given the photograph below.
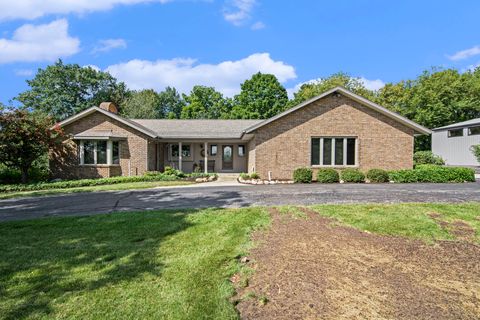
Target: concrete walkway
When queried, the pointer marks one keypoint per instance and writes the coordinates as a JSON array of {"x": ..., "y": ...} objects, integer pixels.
[{"x": 218, "y": 195}]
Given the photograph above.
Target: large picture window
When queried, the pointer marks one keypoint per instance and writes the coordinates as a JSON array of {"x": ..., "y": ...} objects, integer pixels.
[
  {"x": 93, "y": 152},
  {"x": 333, "y": 151}
]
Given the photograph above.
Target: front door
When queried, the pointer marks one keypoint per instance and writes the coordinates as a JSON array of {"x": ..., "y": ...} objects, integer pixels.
[{"x": 227, "y": 157}]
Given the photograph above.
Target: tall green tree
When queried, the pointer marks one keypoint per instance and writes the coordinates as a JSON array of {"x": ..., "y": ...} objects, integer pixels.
[
  {"x": 172, "y": 103},
  {"x": 205, "y": 103},
  {"x": 316, "y": 88},
  {"x": 61, "y": 90},
  {"x": 434, "y": 99},
  {"x": 261, "y": 97},
  {"x": 143, "y": 104},
  {"x": 24, "y": 138}
]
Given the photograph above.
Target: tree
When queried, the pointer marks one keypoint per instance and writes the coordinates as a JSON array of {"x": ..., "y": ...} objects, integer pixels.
[
  {"x": 61, "y": 90},
  {"x": 25, "y": 137},
  {"x": 434, "y": 99},
  {"x": 261, "y": 97},
  {"x": 171, "y": 103},
  {"x": 144, "y": 104},
  {"x": 205, "y": 103},
  {"x": 315, "y": 88}
]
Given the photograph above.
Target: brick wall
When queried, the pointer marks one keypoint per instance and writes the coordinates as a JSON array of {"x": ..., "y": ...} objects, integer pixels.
[
  {"x": 284, "y": 144},
  {"x": 64, "y": 161}
]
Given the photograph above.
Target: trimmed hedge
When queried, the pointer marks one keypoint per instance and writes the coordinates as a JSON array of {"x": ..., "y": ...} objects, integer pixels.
[
  {"x": 377, "y": 176},
  {"x": 302, "y": 175},
  {"x": 149, "y": 176},
  {"x": 433, "y": 173},
  {"x": 352, "y": 175},
  {"x": 327, "y": 175}
]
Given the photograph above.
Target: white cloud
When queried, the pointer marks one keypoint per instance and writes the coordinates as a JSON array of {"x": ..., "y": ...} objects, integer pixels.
[
  {"x": 24, "y": 72},
  {"x": 465, "y": 54},
  {"x": 239, "y": 11},
  {"x": 258, "y": 25},
  {"x": 45, "y": 42},
  {"x": 31, "y": 9},
  {"x": 183, "y": 74},
  {"x": 372, "y": 84},
  {"x": 109, "y": 44}
]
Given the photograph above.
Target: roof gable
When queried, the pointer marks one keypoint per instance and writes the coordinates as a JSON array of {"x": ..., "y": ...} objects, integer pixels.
[
  {"x": 395, "y": 116},
  {"x": 114, "y": 116}
]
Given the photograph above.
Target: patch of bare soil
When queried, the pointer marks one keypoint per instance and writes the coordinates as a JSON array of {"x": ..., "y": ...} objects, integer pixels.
[
  {"x": 460, "y": 229},
  {"x": 314, "y": 269}
]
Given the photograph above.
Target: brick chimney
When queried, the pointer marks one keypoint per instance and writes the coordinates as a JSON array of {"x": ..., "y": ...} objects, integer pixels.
[{"x": 109, "y": 106}]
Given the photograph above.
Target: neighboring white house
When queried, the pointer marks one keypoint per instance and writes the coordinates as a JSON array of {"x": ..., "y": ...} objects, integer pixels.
[{"x": 453, "y": 142}]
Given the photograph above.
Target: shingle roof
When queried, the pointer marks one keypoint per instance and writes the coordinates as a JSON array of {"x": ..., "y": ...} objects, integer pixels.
[
  {"x": 197, "y": 129},
  {"x": 460, "y": 124}
]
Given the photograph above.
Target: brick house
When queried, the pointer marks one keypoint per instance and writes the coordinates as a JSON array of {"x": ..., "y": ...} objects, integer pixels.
[{"x": 337, "y": 129}]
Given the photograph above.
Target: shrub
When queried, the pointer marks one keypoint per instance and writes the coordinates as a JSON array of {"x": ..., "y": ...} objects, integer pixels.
[
  {"x": 169, "y": 171},
  {"x": 378, "y": 176},
  {"x": 327, "y": 175},
  {"x": 427, "y": 157},
  {"x": 244, "y": 176},
  {"x": 302, "y": 175},
  {"x": 434, "y": 174},
  {"x": 254, "y": 175},
  {"x": 352, "y": 175},
  {"x": 476, "y": 151}
]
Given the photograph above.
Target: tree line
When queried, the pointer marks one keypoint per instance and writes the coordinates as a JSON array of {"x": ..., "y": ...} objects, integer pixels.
[{"x": 435, "y": 98}]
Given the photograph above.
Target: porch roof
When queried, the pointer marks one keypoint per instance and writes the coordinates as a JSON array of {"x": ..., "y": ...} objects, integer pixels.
[
  {"x": 197, "y": 129},
  {"x": 98, "y": 134}
]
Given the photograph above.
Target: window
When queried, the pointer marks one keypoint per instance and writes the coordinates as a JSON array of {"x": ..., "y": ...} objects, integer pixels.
[
  {"x": 473, "y": 131},
  {"x": 115, "y": 153},
  {"x": 241, "y": 150},
  {"x": 213, "y": 149},
  {"x": 333, "y": 151},
  {"x": 185, "y": 150},
  {"x": 455, "y": 133},
  {"x": 96, "y": 152}
]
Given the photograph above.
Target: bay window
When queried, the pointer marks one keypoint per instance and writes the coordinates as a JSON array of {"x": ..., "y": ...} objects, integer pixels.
[
  {"x": 95, "y": 152},
  {"x": 334, "y": 151}
]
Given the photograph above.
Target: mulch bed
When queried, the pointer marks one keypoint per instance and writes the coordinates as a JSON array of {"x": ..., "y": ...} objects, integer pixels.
[{"x": 315, "y": 269}]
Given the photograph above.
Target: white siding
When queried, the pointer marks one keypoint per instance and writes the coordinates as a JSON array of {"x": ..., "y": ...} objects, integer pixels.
[{"x": 455, "y": 150}]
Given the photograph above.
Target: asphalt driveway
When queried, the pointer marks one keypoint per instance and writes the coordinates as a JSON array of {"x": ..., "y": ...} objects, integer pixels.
[{"x": 232, "y": 196}]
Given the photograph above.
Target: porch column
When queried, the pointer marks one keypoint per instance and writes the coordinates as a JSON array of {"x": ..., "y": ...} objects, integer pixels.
[
  {"x": 205, "y": 145},
  {"x": 180, "y": 156}
]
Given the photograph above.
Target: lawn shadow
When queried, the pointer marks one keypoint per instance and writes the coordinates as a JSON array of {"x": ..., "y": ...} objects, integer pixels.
[{"x": 49, "y": 259}]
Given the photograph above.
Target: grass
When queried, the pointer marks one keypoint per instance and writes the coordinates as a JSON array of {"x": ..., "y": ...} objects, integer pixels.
[
  {"x": 109, "y": 187},
  {"x": 165, "y": 264},
  {"x": 150, "y": 265},
  {"x": 408, "y": 220}
]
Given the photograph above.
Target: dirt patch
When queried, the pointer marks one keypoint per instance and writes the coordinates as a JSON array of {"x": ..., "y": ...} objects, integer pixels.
[
  {"x": 460, "y": 229},
  {"x": 314, "y": 269}
]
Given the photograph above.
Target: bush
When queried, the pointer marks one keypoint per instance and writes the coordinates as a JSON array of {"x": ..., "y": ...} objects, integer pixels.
[
  {"x": 302, "y": 175},
  {"x": 378, "y": 176},
  {"x": 244, "y": 176},
  {"x": 352, "y": 175},
  {"x": 169, "y": 171},
  {"x": 327, "y": 175},
  {"x": 254, "y": 175},
  {"x": 476, "y": 151},
  {"x": 427, "y": 157},
  {"x": 434, "y": 174}
]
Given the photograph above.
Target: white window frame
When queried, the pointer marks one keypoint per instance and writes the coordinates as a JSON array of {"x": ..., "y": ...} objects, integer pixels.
[
  {"x": 170, "y": 150},
  {"x": 333, "y": 165},
  {"x": 109, "y": 153}
]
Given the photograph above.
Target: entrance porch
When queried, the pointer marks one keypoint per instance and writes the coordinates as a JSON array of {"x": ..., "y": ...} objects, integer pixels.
[{"x": 201, "y": 156}]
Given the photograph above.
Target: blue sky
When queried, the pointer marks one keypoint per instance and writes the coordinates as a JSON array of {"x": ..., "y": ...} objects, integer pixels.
[{"x": 155, "y": 43}]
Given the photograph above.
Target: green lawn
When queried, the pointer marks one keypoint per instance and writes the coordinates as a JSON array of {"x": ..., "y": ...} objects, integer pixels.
[
  {"x": 155, "y": 265},
  {"x": 409, "y": 220},
  {"x": 163, "y": 264},
  {"x": 108, "y": 187}
]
